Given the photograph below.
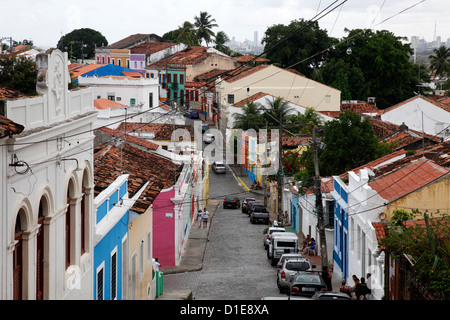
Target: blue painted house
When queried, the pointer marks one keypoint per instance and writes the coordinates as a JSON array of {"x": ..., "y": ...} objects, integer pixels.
[
  {"x": 111, "y": 242},
  {"x": 341, "y": 232}
]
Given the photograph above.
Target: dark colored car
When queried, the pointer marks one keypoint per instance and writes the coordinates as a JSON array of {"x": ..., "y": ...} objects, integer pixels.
[
  {"x": 330, "y": 295},
  {"x": 307, "y": 283},
  {"x": 258, "y": 212},
  {"x": 192, "y": 114},
  {"x": 245, "y": 204},
  {"x": 232, "y": 202}
]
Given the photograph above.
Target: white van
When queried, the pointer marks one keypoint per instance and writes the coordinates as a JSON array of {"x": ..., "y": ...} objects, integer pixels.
[{"x": 281, "y": 243}]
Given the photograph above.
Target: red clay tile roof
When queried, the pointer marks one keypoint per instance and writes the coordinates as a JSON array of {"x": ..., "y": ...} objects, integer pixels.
[
  {"x": 252, "y": 98},
  {"x": 135, "y": 39},
  {"x": 140, "y": 165},
  {"x": 407, "y": 179},
  {"x": 130, "y": 139},
  {"x": 359, "y": 107},
  {"x": 102, "y": 104},
  {"x": 188, "y": 56},
  {"x": 162, "y": 131},
  {"x": 9, "y": 94},
  {"x": 242, "y": 73},
  {"x": 379, "y": 231},
  {"x": 150, "y": 47},
  {"x": 248, "y": 58},
  {"x": 9, "y": 127}
]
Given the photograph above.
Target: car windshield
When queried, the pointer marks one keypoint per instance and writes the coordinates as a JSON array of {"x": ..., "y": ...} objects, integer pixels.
[
  {"x": 278, "y": 230},
  {"x": 297, "y": 265},
  {"x": 259, "y": 208},
  {"x": 219, "y": 165},
  {"x": 308, "y": 278}
]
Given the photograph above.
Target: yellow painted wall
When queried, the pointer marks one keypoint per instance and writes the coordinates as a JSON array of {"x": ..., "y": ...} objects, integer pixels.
[
  {"x": 432, "y": 197},
  {"x": 137, "y": 231}
]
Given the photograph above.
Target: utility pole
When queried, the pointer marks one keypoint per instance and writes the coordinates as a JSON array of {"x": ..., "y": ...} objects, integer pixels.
[
  {"x": 319, "y": 206},
  {"x": 280, "y": 175}
]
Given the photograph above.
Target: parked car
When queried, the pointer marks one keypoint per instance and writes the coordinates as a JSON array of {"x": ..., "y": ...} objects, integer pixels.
[
  {"x": 208, "y": 138},
  {"x": 289, "y": 270},
  {"x": 307, "y": 283},
  {"x": 192, "y": 114},
  {"x": 269, "y": 232},
  {"x": 258, "y": 212},
  {"x": 330, "y": 295},
  {"x": 288, "y": 256},
  {"x": 245, "y": 204},
  {"x": 231, "y": 202},
  {"x": 219, "y": 167}
]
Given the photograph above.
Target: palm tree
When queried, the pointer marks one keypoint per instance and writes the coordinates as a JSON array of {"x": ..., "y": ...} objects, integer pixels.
[
  {"x": 221, "y": 39},
  {"x": 309, "y": 117},
  {"x": 277, "y": 108},
  {"x": 440, "y": 61},
  {"x": 250, "y": 118},
  {"x": 204, "y": 24},
  {"x": 187, "y": 34}
]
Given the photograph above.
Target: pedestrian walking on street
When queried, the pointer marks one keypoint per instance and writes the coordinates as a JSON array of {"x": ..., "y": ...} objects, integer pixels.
[
  {"x": 205, "y": 218},
  {"x": 362, "y": 291},
  {"x": 199, "y": 217},
  {"x": 326, "y": 276},
  {"x": 369, "y": 286},
  {"x": 355, "y": 288}
]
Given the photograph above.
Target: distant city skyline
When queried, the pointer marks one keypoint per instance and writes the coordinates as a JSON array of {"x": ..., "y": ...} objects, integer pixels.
[{"x": 44, "y": 22}]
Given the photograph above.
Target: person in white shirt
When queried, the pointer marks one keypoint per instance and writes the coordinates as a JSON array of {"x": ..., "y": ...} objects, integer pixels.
[
  {"x": 205, "y": 218},
  {"x": 199, "y": 217}
]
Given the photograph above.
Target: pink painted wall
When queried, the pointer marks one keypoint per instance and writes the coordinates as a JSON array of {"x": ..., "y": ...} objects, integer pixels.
[{"x": 164, "y": 228}]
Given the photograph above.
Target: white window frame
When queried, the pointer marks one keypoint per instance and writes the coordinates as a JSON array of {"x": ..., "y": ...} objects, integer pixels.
[
  {"x": 111, "y": 272},
  {"x": 100, "y": 268}
]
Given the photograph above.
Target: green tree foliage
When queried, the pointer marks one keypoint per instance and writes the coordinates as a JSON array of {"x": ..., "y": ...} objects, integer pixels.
[
  {"x": 378, "y": 66},
  {"x": 81, "y": 40},
  {"x": 204, "y": 24},
  {"x": 184, "y": 34},
  {"x": 347, "y": 142},
  {"x": 427, "y": 245},
  {"x": 276, "y": 109},
  {"x": 18, "y": 73},
  {"x": 250, "y": 118},
  {"x": 440, "y": 61},
  {"x": 303, "y": 40},
  {"x": 220, "y": 39}
]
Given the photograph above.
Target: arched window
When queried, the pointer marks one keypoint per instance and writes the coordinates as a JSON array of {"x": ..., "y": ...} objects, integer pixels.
[
  {"x": 18, "y": 259},
  {"x": 70, "y": 226},
  {"x": 40, "y": 257}
]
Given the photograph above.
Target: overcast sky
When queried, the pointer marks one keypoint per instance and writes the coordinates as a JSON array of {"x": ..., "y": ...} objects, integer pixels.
[{"x": 45, "y": 21}]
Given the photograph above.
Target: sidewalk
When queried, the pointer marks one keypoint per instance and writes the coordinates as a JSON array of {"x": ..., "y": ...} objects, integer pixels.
[{"x": 192, "y": 256}]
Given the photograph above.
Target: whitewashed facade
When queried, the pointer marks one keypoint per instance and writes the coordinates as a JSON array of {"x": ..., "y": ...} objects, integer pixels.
[
  {"x": 421, "y": 114},
  {"x": 46, "y": 191}
]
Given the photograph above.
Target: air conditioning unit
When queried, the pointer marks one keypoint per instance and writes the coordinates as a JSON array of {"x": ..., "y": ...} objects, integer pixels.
[{"x": 371, "y": 100}]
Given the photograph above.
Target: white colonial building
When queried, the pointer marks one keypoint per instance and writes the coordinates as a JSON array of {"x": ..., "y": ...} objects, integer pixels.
[{"x": 46, "y": 191}]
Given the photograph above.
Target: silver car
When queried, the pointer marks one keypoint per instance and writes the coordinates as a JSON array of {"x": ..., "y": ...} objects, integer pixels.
[
  {"x": 269, "y": 232},
  {"x": 288, "y": 256},
  {"x": 219, "y": 167},
  {"x": 289, "y": 270}
]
